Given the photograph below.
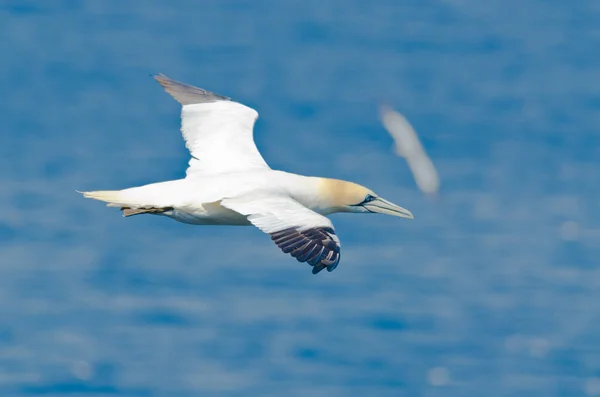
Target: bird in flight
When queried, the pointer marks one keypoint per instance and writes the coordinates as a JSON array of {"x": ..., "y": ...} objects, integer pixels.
[
  {"x": 409, "y": 146},
  {"x": 228, "y": 182}
]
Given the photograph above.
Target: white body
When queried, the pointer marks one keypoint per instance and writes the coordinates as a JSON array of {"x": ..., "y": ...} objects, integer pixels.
[{"x": 197, "y": 200}]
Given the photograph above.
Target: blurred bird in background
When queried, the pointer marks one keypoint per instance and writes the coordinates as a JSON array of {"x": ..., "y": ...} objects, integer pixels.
[{"x": 409, "y": 146}]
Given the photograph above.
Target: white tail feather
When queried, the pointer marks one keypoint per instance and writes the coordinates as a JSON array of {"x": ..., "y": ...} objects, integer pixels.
[
  {"x": 155, "y": 195},
  {"x": 113, "y": 198}
]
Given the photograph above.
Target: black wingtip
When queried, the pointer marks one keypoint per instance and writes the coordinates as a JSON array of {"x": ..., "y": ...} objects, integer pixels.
[
  {"x": 158, "y": 77},
  {"x": 187, "y": 94},
  {"x": 317, "y": 268},
  {"x": 319, "y": 246}
]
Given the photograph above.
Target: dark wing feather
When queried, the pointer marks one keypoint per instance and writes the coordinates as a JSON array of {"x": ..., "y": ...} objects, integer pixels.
[
  {"x": 318, "y": 246},
  {"x": 187, "y": 94}
]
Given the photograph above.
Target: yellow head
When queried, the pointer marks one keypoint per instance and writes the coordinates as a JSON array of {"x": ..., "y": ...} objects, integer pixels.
[{"x": 343, "y": 196}]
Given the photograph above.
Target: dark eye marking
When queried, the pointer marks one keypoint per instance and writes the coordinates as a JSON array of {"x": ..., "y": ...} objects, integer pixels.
[{"x": 367, "y": 199}]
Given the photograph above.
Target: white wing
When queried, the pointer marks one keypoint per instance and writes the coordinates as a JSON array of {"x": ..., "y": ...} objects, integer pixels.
[
  {"x": 304, "y": 234},
  {"x": 218, "y": 132}
]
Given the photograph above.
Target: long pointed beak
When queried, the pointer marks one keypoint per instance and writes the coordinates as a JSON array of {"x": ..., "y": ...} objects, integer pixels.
[{"x": 382, "y": 206}]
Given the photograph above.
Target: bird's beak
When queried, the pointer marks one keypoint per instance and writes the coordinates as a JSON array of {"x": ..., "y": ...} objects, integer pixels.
[{"x": 382, "y": 206}]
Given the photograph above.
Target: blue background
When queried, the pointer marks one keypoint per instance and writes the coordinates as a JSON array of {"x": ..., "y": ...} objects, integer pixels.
[{"x": 492, "y": 290}]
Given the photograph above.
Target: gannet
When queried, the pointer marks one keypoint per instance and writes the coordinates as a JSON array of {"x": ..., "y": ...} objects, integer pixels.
[
  {"x": 228, "y": 182},
  {"x": 409, "y": 146}
]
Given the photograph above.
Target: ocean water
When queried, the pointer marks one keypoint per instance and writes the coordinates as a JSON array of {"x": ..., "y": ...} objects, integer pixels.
[{"x": 492, "y": 290}]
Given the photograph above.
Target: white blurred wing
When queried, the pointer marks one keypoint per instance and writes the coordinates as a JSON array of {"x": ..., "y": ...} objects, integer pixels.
[
  {"x": 409, "y": 146},
  {"x": 304, "y": 234},
  {"x": 218, "y": 132}
]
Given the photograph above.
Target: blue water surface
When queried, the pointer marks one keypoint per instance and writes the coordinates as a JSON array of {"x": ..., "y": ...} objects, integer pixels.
[{"x": 492, "y": 290}]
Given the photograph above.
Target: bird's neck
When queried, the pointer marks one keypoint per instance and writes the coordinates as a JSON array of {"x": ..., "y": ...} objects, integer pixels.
[{"x": 313, "y": 192}]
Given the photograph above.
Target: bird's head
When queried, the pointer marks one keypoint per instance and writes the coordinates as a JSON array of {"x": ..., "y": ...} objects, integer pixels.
[{"x": 343, "y": 196}]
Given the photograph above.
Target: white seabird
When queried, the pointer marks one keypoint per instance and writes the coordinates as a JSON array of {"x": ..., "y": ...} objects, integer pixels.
[
  {"x": 409, "y": 146},
  {"x": 229, "y": 183}
]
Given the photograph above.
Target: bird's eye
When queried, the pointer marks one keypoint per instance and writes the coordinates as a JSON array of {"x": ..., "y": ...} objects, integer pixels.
[{"x": 368, "y": 198}]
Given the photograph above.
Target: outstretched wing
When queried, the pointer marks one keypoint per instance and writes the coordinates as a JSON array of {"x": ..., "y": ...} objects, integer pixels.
[
  {"x": 218, "y": 132},
  {"x": 298, "y": 231}
]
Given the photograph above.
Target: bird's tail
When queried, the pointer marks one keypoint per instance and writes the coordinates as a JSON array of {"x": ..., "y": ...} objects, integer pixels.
[
  {"x": 154, "y": 198},
  {"x": 128, "y": 204},
  {"x": 113, "y": 198}
]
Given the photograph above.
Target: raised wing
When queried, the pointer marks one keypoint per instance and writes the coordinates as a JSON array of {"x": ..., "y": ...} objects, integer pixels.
[
  {"x": 298, "y": 231},
  {"x": 218, "y": 132}
]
